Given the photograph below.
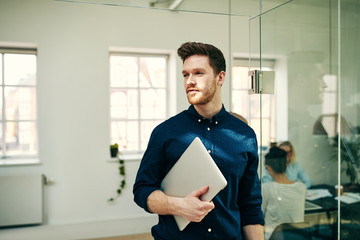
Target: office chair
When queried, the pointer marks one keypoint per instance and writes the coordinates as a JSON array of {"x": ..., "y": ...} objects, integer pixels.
[
  {"x": 292, "y": 231},
  {"x": 350, "y": 221}
]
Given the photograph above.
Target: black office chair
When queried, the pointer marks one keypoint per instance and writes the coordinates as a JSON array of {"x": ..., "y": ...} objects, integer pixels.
[
  {"x": 292, "y": 231},
  {"x": 350, "y": 221}
]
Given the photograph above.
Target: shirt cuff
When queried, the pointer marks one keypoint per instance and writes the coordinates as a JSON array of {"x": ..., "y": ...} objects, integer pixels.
[
  {"x": 142, "y": 198},
  {"x": 254, "y": 217}
]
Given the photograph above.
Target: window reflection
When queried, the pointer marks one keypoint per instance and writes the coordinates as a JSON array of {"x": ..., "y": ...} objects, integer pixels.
[{"x": 249, "y": 105}]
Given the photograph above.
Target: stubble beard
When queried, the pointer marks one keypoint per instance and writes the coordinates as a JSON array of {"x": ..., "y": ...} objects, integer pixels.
[{"x": 205, "y": 97}]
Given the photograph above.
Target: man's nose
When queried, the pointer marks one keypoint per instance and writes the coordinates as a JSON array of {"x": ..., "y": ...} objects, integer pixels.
[{"x": 190, "y": 80}]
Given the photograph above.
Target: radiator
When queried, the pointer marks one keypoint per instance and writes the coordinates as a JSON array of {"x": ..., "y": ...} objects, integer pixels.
[{"x": 21, "y": 200}]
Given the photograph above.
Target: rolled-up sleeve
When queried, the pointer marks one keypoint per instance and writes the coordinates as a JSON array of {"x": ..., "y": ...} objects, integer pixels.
[
  {"x": 150, "y": 173},
  {"x": 250, "y": 198}
]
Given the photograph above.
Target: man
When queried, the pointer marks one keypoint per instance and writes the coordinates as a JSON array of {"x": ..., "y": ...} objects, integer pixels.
[
  {"x": 284, "y": 200},
  {"x": 235, "y": 213}
]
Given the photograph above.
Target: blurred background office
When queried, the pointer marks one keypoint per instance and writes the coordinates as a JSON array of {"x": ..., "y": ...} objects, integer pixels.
[{"x": 78, "y": 76}]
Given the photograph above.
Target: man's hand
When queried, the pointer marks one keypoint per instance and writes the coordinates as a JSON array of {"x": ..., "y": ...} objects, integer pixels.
[
  {"x": 189, "y": 207},
  {"x": 193, "y": 209}
]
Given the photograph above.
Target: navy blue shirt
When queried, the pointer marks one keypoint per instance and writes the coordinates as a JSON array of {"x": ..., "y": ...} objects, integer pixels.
[{"x": 233, "y": 146}]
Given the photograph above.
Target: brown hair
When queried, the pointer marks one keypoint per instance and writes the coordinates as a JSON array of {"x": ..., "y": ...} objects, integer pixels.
[
  {"x": 239, "y": 117},
  {"x": 216, "y": 57}
]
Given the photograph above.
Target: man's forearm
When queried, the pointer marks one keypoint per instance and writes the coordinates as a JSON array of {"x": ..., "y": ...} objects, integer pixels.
[
  {"x": 253, "y": 232},
  {"x": 189, "y": 207},
  {"x": 159, "y": 203}
]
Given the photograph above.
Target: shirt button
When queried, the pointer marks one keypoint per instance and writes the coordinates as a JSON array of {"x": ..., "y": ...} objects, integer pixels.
[
  {"x": 209, "y": 151},
  {"x": 209, "y": 229},
  {"x": 199, "y": 120},
  {"x": 216, "y": 122},
  {"x": 208, "y": 129}
]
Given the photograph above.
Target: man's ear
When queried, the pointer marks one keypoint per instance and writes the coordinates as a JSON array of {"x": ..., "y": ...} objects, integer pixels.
[{"x": 221, "y": 78}]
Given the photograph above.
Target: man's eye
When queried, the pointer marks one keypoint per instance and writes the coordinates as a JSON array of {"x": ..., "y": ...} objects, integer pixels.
[
  {"x": 185, "y": 75},
  {"x": 198, "y": 73}
]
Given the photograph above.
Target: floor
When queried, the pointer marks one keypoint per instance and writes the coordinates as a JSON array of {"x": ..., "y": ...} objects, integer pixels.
[{"x": 146, "y": 236}]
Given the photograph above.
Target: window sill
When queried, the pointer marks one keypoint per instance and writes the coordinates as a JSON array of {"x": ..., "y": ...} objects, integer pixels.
[
  {"x": 19, "y": 161},
  {"x": 128, "y": 157}
]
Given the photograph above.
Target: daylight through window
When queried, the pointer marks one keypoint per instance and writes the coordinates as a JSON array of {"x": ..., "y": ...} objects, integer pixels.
[
  {"x": 18, "y": 103},
  {"x": 249, "y": 105},
  {"x": 138, "y": 98}
]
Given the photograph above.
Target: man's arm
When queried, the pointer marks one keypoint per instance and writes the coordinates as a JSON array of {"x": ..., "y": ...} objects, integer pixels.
[
  {"x": 190, "y": 207},
  {"x": 253, "y": 232},
  {"x": 250, "y": 203}
]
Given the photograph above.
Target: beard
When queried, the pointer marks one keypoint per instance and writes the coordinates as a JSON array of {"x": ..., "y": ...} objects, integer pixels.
[{"x": 203, "y": 96}]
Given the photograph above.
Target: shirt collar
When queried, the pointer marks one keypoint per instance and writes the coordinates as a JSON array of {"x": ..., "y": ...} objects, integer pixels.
[{"x": 217, "y": 118}]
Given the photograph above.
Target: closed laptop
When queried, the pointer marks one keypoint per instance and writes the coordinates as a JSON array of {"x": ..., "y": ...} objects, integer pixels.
[{"x": 194, "y": 169}]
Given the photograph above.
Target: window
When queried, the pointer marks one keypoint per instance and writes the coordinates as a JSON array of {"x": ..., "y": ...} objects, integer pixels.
[
  {"x": 18, "y": 138},
  {"x": 329, "y": 87},
  {"x": 327, "y": 122},
  {"x": 139, "y": 98},
  {"x": 249, "y": 105}
]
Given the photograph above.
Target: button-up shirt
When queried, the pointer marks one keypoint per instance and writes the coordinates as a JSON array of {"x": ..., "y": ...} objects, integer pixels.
[{"x": 233, "y": 146}]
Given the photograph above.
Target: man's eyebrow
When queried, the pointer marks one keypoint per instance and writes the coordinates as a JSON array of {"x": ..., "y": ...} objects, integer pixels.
[{"x": 194, "y": 69}]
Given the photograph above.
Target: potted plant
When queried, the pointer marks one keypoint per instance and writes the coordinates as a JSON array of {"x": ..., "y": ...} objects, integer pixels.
[
  {"x": 114, "y": 151},
  {"x": 350, "y": 158}
]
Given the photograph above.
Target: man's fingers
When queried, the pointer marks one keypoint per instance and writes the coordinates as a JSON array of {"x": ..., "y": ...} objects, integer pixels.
[
  {"x": 212, "y": 204},
  {"x": 195, "y": 209},
  {"x": 200, "y": 191}
]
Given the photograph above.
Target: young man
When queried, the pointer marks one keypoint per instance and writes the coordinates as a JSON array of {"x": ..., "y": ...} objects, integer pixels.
[
  {"x": 235, "y": 213},
  {"x": 284, "y": 200}
]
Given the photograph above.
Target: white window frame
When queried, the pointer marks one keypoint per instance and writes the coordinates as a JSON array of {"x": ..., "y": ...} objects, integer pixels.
[
  {"x": 23, "y": 159},
  {"x": 170, "y": 84},
  {"x": 330, "y": 94}
]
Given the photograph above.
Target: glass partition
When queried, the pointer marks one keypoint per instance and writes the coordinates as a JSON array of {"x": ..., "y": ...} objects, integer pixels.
[
  {"x": 316, "y": 103},
  {"x": 225, "y": 7},
  {"x": 348, "y": 144},
  {"x": 235, "y": 7}
]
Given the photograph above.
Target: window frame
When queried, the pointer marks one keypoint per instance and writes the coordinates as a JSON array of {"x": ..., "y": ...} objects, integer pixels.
[
  {"x": 252, "y": 64},
  {"x": 19, "y": 159},
  {"x": 170, "y": 90}
]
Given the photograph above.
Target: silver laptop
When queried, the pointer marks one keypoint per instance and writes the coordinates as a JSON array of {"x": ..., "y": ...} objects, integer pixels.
[
  {"x": 194, "y": 169},
  {"x": 311, "y": 206}
]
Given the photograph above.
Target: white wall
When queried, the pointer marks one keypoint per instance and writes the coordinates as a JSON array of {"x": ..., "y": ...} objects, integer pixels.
[{"x": 73, "y": 41}]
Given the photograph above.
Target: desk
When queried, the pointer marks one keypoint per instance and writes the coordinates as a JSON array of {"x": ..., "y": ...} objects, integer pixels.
[
  {"x": 327, "y": 204},
  {"x": 326, "y": 217},
  {"x": 323, "y": 220}
]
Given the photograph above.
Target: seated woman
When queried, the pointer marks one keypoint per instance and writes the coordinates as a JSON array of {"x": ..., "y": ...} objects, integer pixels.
[
  {"x": 283, "y": 199},
  {"x": 294, "y": 170}
]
